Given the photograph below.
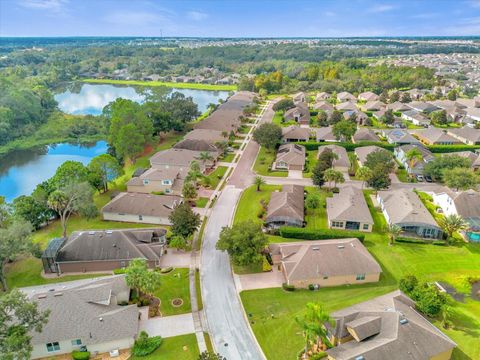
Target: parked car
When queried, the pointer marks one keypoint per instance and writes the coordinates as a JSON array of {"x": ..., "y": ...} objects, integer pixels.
[
  {"x": 420, "y": 178},
  {"x": 428, "y": 179}
]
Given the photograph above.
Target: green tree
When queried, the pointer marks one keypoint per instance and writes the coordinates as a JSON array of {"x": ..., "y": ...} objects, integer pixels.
[
  {"x": 408, "y": 283},
  {"x": 393, "y": 231},
  {"x": 313, "y": 325},
  {"x": 19, "y": 317},
  {"x": 322, "y": 118},
  {"x": 268, "y": 135},
  {"x": 31, "y": 210},
  {"x": 452, "y": 95},
  {"x": 178, "y": 242},
  {"x": 413, "y": 155},
  {"x": 344, "y": 130},
  {"x": 106, "y": 168},
  {"x": 451, "y": 224},
  {"x": 363, "y": 173},
  {"x": 335, "y": 117},
  {"x": 207, "y": 355},
  {"x": 283, "y": 105},
  {"x": 205, "y": 156},
  {"x": 335, "y": 176},
  {"x": 438, "y": 165},
  {"x": 244, "y": 242},
  {"x": 394, "y": 97},
  {"x": 14, "y": 240},
  {"x": 259, "y": 182},
  {"x": 380, "y": 160},
  {"x": 139, "y": 278},
  {"x": 70, "y": 199},
  {"x": 189, "y": 191},
  {"x": 129, "y": 143},
  {"x": 439, "y": 117},
  {"x": 312, "y": 201},
  {"x": 67, "y": 172},
  {"x": 461, "y": 178},
  {"x": 428, "y": 299},
  {"x": 184, "y": 221},
  {"x": 388, "y": 118},
  {"x": 380, "y": 179},
  {"x": 325, "y": 161},
  {"x": 406, "y": 98}
]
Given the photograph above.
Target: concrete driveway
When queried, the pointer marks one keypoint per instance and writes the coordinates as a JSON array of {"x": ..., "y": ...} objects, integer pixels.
[
  {"x": 295, "y": 174},
  {"x": 168, "y": 326},
  {"x": 265, "y": 280},
  {"x": 176, "y": 259}
]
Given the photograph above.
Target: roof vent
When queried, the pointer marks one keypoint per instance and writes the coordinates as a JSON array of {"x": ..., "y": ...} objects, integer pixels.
[
  {"x": 108, "y": 232},
  {"x": 58, "y": 294},
  {"x": 361, "y": 357},
  {"x": 101, "y": 319},
  {"x": 315, "y": 248},
  {"x": 91, "y": 233},
  {"x": 42, "y": 296},
  {"x": 403, "y": 321},
  {"x": 340, "y": 246}
]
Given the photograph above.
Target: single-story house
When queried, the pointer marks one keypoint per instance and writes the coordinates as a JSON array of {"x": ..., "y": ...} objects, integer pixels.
[
  {"x": 474, "y": 157},
  {"x": 465, "y": 204},
  {"x": 166, "y": 180},
  {"x": 368, "y": 96},
  {"x": 365, "y": 134},
  {"x": 290, "y": 157},
  {"x": 202, "y": 140},
  {"x": 400, "y": 137},
  {"x": 323, "y": 105},
  {"x": 141, "y": 208},
  {"x": 340, "y": 164},
  {"x": 423, "y": 107},
  {"x": 416, "y": 118},
  {"x": 348, "y": 210},
  {"x": 398, "y": 106},
  {"x": 436, "y": 136},
  {"x": 325, "y": 134},
  {"x": 295, "y": 133},
  {"x": 322, "y": 96},
  {"x": 360, "y": 117},
  {"x": 363, "y": 151},
  {"x": 379, "y": 114},
  {"x": 373, "y": 105},
  {"x": 85, "y": 313},
  {"x": 286, "y": 207},
  {"x": 416, "y": 94},
  {"x": 299, "y": 97},
  {"x": 347, "y": 106},
  {"x": 180, "y": 159},
  {"x": 346, "y": 96},
  {"x": 473, "y": 114},
  {"x": 405, "y": 209},
  {"x": 300, "y": 114},
  {"x": 386, "y": 327},
  {"x": 466, "y": 135},
  {"x": 413, "y": 166},
  {"x": 325, "y": 262},
  {"x": 103, "y": 250}
]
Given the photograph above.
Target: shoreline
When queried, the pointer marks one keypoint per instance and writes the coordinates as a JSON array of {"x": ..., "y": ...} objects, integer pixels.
[{"x": 193, "y": 86}]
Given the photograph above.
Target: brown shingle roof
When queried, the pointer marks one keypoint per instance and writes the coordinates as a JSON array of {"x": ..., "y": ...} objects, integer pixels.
[
  {"x": 142, "y": 204},
  {"x": 288, "y": 203},
  {"x": 291, "y": 154},
  {"x": 349, "y": 205}
]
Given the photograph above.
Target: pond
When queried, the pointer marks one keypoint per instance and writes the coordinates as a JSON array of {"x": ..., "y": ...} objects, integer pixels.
[
  {"x": 22, "y": 171},
  {"x": 90, "y": 99}
]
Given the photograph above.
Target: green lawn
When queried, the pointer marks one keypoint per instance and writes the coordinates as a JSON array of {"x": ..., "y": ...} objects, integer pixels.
[
  {"x": 172, "y": 348},
  {"x": 264, "y": 160},
  {"x": 228, "y": 158},
  {"x": 402, "y": 174},
  {"x": 249, "y": 205},
  {"x": 317, "y": 218},
  {"x": 196, "y": 86},
  {"x": 201, "y": 202},
  {"x": 216, "y": 175},
  {"x": 311, "y": 161},
  {"x": 26, "y": 272},
  {"x": 453, "y": 264},
  {"x": 278, "y": 119},
  {"x": 174, "y": 285},
  {"x": 199, "y": 291}
]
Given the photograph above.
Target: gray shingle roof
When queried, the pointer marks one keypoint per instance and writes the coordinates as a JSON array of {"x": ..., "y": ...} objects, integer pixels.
[
  {"x": 349, "y": 205},
  {"x": 363, "y": 151},
  {"x": 364, "y": 134},
  {"x": 342, "y": 160},
  {"x": 142, "y": 204},
  {"x": 291, "y": 154},
  {"x": 288, "y": 203}
]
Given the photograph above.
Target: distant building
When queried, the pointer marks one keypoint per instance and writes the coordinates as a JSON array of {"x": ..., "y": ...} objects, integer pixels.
[
  {"x": 290, "y": 157},
  {"x": 342, "y": 163}
]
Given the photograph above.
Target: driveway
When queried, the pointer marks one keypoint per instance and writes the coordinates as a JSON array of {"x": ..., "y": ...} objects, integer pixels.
[
  {"x": 168, "y": 326},
  {"x": 176, "y": 259},
  {"x": 271, "y": 279},
  {"x": 295, "y": 174}
]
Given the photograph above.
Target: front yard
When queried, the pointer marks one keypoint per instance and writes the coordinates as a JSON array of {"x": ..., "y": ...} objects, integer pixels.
[
  {"x": 183, "y": 347},
  {"x": 264, "y": 161},
  {"x": 174, "y": 285}
]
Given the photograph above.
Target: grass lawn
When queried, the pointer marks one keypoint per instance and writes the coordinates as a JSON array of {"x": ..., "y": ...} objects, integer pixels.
[
  {"x": 174, "y": 285},
  {"x": 172, "y": 348},
  {"x": 317, "y": 218},
  {"x": 199, "y": 291},
  {"x": 452, "y": 264},
  {"x": 249, "y": 205},
  {"x": 311, "y": 161},
  {"x": 201, "y": 202},
  {"x": 26, "y": 272},
  {"x": 228, "y": 158},
  {"x": 264, "y": 160},
  {"x": 177, "y": 85},
  {"x": 278, "y": 119},
  {"x": 216, "y": 175},
  {"x": 402, "y": 174}
]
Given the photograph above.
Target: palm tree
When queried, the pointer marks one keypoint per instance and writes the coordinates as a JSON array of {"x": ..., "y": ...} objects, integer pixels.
[
  {"x": 413, "y": 155},
  {"x": 189, "y": 191},
  {"x": 364, "y": 173},
  {"x": 393, "y": 231},
  {"x": 205, "y": 156},
  {"x": 313, "y": 325},
  {"x": 333, "y": 175},
  {"x": 259, "y": 182},
  {"x": 452, "y": 223}
]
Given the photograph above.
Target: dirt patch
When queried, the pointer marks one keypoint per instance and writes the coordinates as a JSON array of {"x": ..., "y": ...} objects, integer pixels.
[
  {"x": 154, "y": 307},
  {"x": 177, "y": 302},
  {"x": 476, "y": 290},
  {"x": 452, "y": 291}
]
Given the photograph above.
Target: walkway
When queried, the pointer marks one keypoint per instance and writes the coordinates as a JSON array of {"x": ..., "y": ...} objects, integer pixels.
[{"x": 168, "y": 326}]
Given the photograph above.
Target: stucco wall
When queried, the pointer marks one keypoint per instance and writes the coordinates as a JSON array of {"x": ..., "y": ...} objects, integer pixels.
[
  {"x": 335, "y": 280},
  {"x": 135, "y": 219},
  {"x": 88, "y": 266},
  {"x": 370, "y": 226},
  {"x": 152, "y": 186}
]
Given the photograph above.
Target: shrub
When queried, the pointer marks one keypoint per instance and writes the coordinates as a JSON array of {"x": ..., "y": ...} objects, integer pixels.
[
  {"x": 313, "y": 145},
  {"x": 428, "y": 299},
  {"x": 319, "y": 234},
  {"x": 80, "y": 355},
  {"x": 119, "y": 271},
  {"x": 452, "y": 148},
  {"x": 318, "y": 356},
  {"x": 408, "y": 283},
  {"x": 145, "y": 345},
  {"x": 166, "y": 270},
  {"x": 266, "y": 267},
  {"x": 287, "y": 287},
  {"x": 311, "y": 287}
]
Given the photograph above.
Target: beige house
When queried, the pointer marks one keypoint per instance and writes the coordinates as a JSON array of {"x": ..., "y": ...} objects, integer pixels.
[
  {"x": 325, "y": 134},
  {"x": 365, "y": 134},
  {"x": 368, "y": 96},
  {"x": 345, "y": 96},
  {"x": 363, "y": 151},
  {"x": 436, "y": 136},
  {"x": 295, "y": 133},
  {"x": 290, "y": 157},
  {"x": 286, "y": 207},
  {"x": 340, "y": 164},
  {"x": 141, "y": 208},
  {"x": 348, "y": 210},
  {"x": 325, "y": 262},
  {"x": 84, "y": 313},
  {"x": 166, "y": 180},
  {"x": 180, "y": 159},
  {"x": 386, "y": 327},
  {"x": 466, "y": 135}
]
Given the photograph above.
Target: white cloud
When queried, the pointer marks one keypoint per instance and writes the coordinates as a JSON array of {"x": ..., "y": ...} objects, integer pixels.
[
  {"x": 329, "y": 13},
  {"x": 50, "y": 5},
  {"x": 381, "y": 8},
  {"x": 197, "y": 15}
]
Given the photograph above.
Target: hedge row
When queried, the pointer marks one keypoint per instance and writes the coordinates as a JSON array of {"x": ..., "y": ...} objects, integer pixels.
[
  {"x": 452, "y": 148},
  {"x": 319, "y": 234},
  {"x": 420, "y": 241},
  {"x": 313, "y": 145}
]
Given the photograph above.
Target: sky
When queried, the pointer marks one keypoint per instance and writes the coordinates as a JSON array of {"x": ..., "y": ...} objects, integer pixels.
[{"x": 239, "y": 18}]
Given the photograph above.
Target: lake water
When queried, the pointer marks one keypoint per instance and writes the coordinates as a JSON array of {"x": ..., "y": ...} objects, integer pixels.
[
  {"x": 22, "y": 171},
  {"x": 92, "y": 98}
]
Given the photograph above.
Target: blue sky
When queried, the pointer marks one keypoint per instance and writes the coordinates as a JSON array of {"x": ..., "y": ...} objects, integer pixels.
[{"x": 242, "y": 18}]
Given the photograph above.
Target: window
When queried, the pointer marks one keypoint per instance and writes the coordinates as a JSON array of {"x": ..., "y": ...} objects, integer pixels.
[
  {"x": 146, "y": 181},
  {"x": 365, "y": 226},
  {"x": 167, "y": 191},
  {"x": 166, "y": 182},
  {"x": 360, "y": 276},
  {"x": 325, "y": 277},
  {"x": 140, "y": 217},
  {"x": 54, "y": 346},
  {"x": 337, "y": 224},
  {"x": 76, "y": 342}
]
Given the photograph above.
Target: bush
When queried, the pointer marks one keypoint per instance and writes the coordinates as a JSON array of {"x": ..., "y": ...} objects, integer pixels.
[
  {"x": 313, "y": 145},
  {"x": 408, "y": 283},
  {"x": 166, "y": 270},
  {"x": 287, "y": 287},
  {"x": 319, "y": 234},
  {"x": 311, "y": 287},
  {"x": 80, "y": 355},
  {"x": 452, "y": 148},
  {"x": 318, "y": 356},
  {"x": 146, "y": 345},
  {"x": 266, "y": 267},
  {"x": 119, "y": 271}
]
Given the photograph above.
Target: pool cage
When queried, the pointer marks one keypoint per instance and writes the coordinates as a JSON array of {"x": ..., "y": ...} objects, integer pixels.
[{"x": 50, "y": 254}]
